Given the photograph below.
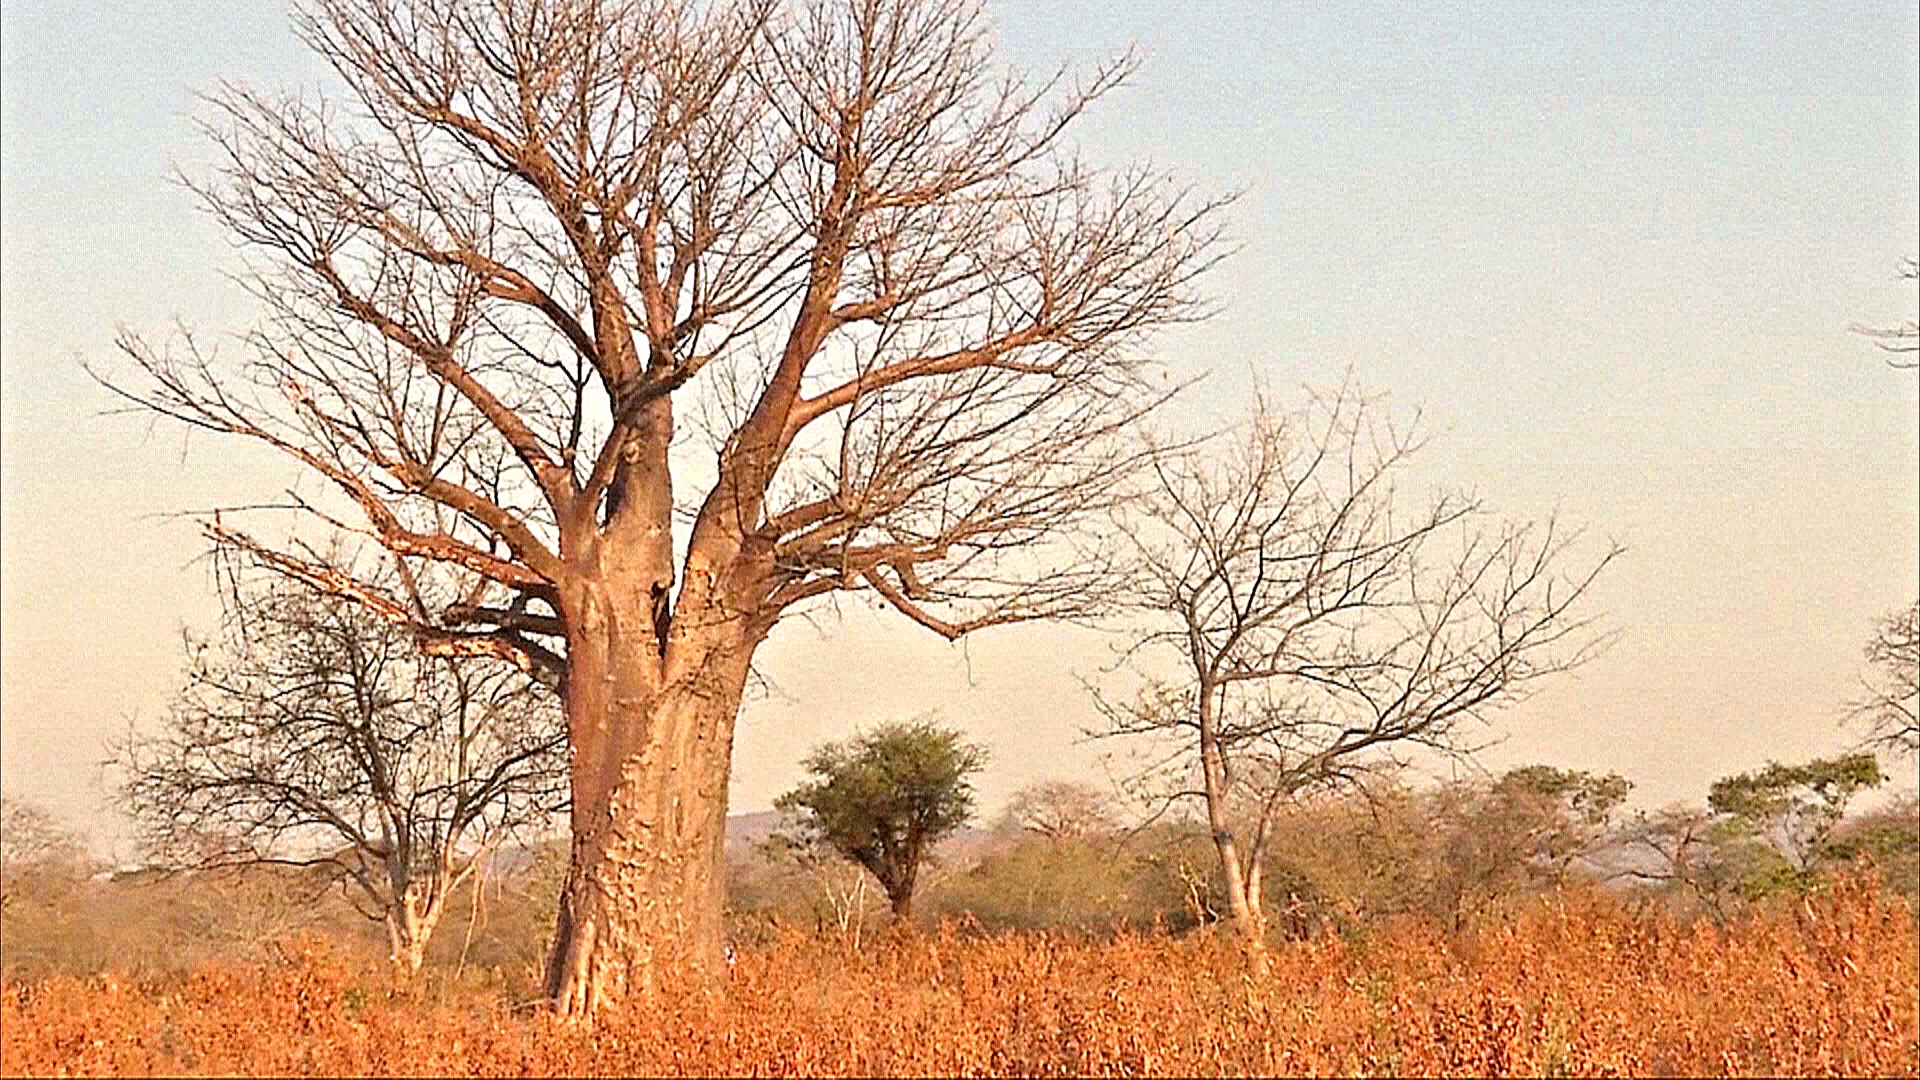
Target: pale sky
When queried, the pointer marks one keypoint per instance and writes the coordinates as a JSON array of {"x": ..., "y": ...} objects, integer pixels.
[{"x": 1611, "y": 252}]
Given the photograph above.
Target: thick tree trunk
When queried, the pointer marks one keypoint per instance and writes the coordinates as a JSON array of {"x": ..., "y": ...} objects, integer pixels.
[{"x": 652, "y": 745}]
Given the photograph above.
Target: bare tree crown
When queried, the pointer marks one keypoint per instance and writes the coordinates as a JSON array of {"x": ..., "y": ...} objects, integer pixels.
[
  {"x": 1319, "y": 626},
  {"x": 1889, "y": 706},
  {"x": 312, "y": 733},
  {"x": 1323, "y": 614},
  {"x": 899, "y": 308}
]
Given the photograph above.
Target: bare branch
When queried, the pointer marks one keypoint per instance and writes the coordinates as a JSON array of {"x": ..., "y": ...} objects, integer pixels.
[
  {"x": 1902, "y": 340},
  {"x": 1889, "y": 705},
  {"x": 309, "y": 724},
  {"x": 1320, "y": 626}
]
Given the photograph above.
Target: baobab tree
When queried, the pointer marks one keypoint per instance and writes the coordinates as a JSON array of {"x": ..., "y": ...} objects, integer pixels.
[
  {"x": 657, "y": 320},
  {"x": 1320, "y": 626}
]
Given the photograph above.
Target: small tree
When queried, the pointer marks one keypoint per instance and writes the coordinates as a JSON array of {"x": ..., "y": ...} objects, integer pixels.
[
  {"x": 1890, "y": 705},
  {"x": 39, "y": 857},
  {"x": 1060, "y": 810},
  {"x": 1055, "y": 858},
  {"x": 884, "y": 799},
  {"x": 314, "y": 733},
  {"x": 838, "y": 886},
  {"x": 1524, "y": 831},
  {"x": 1887, "y": 836},
  {"x": 1776, "y": 823},
  {"x": 1679, "y": 851},
  {"x": 1320, "y": 626},
  {"x": 1552, "y": 818}
]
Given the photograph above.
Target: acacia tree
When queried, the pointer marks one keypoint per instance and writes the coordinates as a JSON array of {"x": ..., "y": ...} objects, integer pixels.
[
  {"x": 1525, "y": 830},
  {"x": 312, "y": 733},
  {"x": 1775, "y": 823},
  {"x": 1761, "y": 832},
  {"x": 657, "y": 319},
  {"x": 1552, "y": 818},
  {"x": 884, "y": 799},
  {"x": 1319, "y": 627}
]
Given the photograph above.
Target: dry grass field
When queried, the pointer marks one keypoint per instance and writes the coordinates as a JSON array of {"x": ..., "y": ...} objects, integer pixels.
[{"x": 1573, "y": 984}]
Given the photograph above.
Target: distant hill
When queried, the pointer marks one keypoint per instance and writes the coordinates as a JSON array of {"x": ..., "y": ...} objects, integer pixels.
[
  {"x": 746, "y": 830},
  {"x": 744, "y": 833}
]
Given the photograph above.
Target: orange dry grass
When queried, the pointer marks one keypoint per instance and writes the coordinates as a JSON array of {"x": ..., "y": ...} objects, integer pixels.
[{"x": 1573, "y": 985}]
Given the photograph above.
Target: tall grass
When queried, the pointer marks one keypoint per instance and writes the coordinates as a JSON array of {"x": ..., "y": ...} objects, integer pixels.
[{"x": 1571, "y": 984}]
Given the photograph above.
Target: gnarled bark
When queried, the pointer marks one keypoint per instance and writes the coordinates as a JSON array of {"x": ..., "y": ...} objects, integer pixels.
[
  {"x": 644, "y": 894},
  {"x": 907, "y": 310}
]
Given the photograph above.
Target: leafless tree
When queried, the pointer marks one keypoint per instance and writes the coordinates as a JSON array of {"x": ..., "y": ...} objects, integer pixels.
[
  {"x": 1902, "y": 340},
  {"x": 658, "y": 319},
  {"x": 1061, "y": 810},
  {"x": 39, "y": 856},
  {"x": 313, "y": 733},
  {"x": 1680, "y": 849},
  {"x": 1320, "y": 628},
  {"x": 1889, "y": 706},
  {"x": 841, "y": 884}
]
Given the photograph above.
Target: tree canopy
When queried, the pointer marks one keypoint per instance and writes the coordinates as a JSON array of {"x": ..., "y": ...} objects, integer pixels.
[{"x": 886, "y": 797}]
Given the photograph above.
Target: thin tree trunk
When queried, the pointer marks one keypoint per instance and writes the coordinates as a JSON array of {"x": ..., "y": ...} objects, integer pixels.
[{"x": 1243, "y": 896}]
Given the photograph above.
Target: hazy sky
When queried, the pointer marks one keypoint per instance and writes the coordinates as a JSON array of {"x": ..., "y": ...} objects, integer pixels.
[{"x": 1611, "y": 252}]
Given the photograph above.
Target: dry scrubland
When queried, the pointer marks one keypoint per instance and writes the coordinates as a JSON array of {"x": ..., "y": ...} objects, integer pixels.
[{"x": 1578, "y": 983}]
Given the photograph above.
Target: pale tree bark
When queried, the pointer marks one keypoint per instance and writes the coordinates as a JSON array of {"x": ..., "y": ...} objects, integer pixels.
[
  {"x": 1242, "y": 873},
  {"x": 1319, "y": 629},
  {"x": 652, "y": 321},
  {"x": 411, "y": 921},
  {"x": 416, "y": 902}
]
